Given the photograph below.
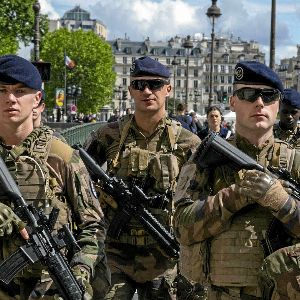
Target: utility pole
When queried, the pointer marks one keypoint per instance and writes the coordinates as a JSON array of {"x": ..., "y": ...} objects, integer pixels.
[{"x": 272, "y": 37}]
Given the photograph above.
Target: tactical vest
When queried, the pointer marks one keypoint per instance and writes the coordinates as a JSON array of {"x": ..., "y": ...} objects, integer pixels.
[
  {"x": 37, "y": 182},
  {"x": 153, "y": 170},
  {"x": 234, "y": 257}
]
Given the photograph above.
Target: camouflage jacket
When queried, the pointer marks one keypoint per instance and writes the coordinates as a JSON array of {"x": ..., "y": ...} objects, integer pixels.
[
  {"x": 136, "y": 158},
  {"x": 63, "y": 182},
  {"x": 290, "y": 136},
  {"x": 226, "y": 245}
]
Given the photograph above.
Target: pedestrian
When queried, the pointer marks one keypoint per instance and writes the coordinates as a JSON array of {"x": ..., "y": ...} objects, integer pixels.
[
  {"x": 183, "y": 117},
  {"x": 49, "y": 174},
  {"x": 214, "y": 124},
  {"x": 222, "y": 216},
  {"x": 289, "y": 112},
  {"x": 146, "y": 149},
  {"x": 115, "y": 117}
]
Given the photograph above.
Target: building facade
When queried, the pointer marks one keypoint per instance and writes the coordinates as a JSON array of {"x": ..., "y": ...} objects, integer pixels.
[
  {"x": 78, "y": 18},
  {"x": 196, "y": 60},
  {"x": 289, "y": 71}
]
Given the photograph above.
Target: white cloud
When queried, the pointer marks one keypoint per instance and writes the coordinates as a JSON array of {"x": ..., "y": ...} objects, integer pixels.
[{"x": 162, "y": 19}]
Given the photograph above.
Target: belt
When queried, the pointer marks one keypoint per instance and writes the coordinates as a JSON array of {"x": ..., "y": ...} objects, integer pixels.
[{"x": 228, "y": 291}]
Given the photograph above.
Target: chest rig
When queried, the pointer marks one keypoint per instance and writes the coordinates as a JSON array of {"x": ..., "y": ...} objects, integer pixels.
[
  {"x": 151, "y": 164},
  {"x": 247, "y": 228},
  {"x": 28, "y": 165}
]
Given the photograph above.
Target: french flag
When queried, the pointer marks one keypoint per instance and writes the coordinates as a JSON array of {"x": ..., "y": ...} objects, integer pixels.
[{"x": 69, "y": 62}]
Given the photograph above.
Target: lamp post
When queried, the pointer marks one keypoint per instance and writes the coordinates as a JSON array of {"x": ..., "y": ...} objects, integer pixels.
[
  {"x": 272, "y": 39},
  {"x": 188, "y": 45},
  {"x": 196, "y": 97},
  {"x": 36, "y": 39},
  {"x": 174, "y": 64},
  {"x": 213, "y": 13}
]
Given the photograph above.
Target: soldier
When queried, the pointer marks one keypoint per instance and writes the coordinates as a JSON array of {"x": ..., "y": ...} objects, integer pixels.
[
  {"x": 287, "y": 129},
  {"x": 146, "y": 149},
  {"x": 49, "y": 174},
  {"x": 222, "y": 216}
]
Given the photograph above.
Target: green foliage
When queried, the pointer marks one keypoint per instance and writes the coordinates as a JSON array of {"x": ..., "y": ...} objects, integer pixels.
[
  {"x": 93, "y": 72},
  {"x": 17, "y": 24}
]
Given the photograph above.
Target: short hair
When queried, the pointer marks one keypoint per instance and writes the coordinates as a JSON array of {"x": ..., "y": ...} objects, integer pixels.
[{"x": 212, "y": 108}]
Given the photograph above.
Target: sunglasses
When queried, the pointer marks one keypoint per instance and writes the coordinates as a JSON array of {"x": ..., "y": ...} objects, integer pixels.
[
  {"x": 151, "y": 84},
  {"x": 251, "y": 94}
]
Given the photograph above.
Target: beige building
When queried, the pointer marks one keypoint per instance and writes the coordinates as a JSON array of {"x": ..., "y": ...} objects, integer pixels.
[
  {"x": 289, "y": 71},
  {"x": 227, "y": 52},
  {"x": 78, "y": 18}
]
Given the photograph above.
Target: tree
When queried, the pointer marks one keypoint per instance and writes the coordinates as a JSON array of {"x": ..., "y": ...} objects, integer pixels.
[
  {"x": 17, "y": 24},
  {"x": 93, "y": 70}
]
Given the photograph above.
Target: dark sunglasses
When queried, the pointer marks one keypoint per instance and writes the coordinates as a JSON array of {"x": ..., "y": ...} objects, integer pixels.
[
  {"x": 251, "y": 94},
  {"x": 152, "y": 84}
]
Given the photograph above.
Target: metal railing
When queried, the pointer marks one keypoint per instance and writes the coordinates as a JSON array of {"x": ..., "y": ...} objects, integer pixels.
[{"x": 79, "y": 134}]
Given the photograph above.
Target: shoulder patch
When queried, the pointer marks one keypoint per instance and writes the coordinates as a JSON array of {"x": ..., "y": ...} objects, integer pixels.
[{"x": 61, "y": 149}]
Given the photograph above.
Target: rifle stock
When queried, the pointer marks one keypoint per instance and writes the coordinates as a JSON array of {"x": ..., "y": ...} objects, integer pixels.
[
  {"x": 130, "y": 204},
  {"x": 41, "y": 246}
]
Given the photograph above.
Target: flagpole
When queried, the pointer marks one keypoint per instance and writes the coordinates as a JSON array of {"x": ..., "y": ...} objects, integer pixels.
[{"x": 65, "y": 79}]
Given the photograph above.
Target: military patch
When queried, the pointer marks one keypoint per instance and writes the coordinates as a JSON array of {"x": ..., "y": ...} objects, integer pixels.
[
  {"x": 92, "y": 189},
  {"x": 239, "y": 73}
]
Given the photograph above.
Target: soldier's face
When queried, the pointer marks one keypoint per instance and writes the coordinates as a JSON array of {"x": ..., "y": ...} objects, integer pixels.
[
  {"x": 255, "y": 116},
  {"x": 289, "y": 116},
  {"x": 17, "y": 102},
  {"x": 151, "y": 96}
]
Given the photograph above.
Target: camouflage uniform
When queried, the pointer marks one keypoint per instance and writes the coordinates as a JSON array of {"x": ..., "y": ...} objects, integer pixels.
[
  {"x": 50, "y": 174},
  {"x": 290, "y": 136},
  {"x": 153, "y": 163},
  {"x": 221, "y": 245}
]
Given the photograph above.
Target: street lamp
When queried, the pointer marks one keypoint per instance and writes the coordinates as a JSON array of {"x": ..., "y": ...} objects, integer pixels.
[
  {"x": 196, "y": 97},
  {"x": 213, "y": 13},
  {"x": 174, "y": 64},
  {"x": 188, "y": 45},
  {"x": 36, "y": 40}
]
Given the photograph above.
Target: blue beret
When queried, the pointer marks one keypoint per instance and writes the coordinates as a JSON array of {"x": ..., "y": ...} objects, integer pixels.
[
  {"x": 146, "y": 66},
  {"x": 291, "y": 97},
  {"x": 15, "y": 69},
  {"x": 254, "y": 72}
]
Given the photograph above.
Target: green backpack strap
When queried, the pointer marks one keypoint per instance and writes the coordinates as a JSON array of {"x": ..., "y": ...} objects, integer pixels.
[{"x": 124, "y": 125}]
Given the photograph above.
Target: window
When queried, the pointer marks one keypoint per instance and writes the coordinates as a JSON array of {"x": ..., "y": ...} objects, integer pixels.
[
  {"x": 215, "y": 78},
  {"x": 178, "y": 72},
  {"x": 124, "y": 81},
  {"x": 195, "y": 83},
  {"x": 168, "y": 61},
  {"x": 133, "y": 58},
  {"x": 124, "y": 70},
  {"x": 229, "y": 89},
  {"x": 222, "y": 68},
  {"x": 178, "y": 83},
  {"x": 196, "y": 73},
  {"x": 222, "y": 79},
  {"x": 216, "y": 69},
  {"x": 230, "y": 79},
  {"x": 230, "y": 69},
  {"x": 124, "y": 60}
]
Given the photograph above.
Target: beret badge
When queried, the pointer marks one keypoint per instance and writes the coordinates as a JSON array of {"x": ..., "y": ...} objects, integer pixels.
[{"x": 239, "y": 73}]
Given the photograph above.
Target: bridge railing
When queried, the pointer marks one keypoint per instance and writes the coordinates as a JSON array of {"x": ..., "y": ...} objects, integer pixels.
[{"x": 79, "y": 133}]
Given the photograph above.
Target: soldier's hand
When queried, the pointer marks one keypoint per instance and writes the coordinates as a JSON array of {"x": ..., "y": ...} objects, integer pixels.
[
  {"x": 263, "y": 189},
  {"x": 83, "y": 277},
  {"x": 9, "y": 220}
]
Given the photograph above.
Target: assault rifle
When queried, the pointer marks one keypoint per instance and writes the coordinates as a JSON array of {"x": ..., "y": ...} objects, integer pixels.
[
  {"x": 42, "y": 246},
  {"x": 130, "y": 204},
  {"x": 215, "y": 151}
]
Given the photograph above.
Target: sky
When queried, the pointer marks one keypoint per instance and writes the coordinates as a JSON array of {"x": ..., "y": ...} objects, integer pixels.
[{"x": 162, "y": 19}]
